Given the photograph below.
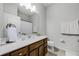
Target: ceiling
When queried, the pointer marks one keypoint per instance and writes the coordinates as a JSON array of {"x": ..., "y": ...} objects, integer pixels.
[
  {"x": 27, "y": 12},
  {"x": 47, "y": 4}
]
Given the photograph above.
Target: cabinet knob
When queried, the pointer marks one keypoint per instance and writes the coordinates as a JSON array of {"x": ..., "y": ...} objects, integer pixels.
[{"x": 20, "y": 54}]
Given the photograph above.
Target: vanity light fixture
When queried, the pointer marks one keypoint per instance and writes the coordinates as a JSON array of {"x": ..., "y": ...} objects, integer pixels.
[{"x": 29, "y": 6}]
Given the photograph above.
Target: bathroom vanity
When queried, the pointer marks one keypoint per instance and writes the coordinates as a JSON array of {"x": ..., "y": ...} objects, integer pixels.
[{"x": 33, "y": 47}]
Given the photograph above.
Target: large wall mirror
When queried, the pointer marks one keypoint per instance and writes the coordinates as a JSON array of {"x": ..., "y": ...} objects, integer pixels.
[
  {"x": 29, "y": 20},
  {"x": 26, "y": 23}
]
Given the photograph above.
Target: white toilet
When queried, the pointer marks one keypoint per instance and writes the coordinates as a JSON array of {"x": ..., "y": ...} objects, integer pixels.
[{"x": 50, "y": 46}]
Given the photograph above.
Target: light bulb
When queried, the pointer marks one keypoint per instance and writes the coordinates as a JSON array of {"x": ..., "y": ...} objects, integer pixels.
[
  {"x": 33, "y": 9},
  {"x": 28, "y": 6},
  {"x": 21, "y": 4}
]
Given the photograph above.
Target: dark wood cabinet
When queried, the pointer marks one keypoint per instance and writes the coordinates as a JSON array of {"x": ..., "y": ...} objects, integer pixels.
[{"x": 38, "y": 48}]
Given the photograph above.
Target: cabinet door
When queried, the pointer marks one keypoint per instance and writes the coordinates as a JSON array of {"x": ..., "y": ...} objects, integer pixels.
[
  {"x": 45, "y": 50},
  {"x": 34, "y": 52},
  {"x": 41, "y": 50},
  {"x": 20, "y": 52},
  {"x": 36, "y": 45},
  {"x": 6, "y": 54}
]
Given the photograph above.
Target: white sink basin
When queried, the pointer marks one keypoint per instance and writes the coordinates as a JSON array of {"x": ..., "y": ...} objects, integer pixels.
[{"x": 28, "y": 37}]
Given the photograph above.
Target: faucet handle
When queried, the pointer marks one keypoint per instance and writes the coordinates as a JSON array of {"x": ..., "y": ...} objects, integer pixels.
[{"x": 62, "y": 41}]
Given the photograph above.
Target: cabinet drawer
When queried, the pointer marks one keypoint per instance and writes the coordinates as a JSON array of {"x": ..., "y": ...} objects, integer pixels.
[
  {"x": 36, "y": 45},
  {"x": 20, "y": 52},
  {"x": 34, "y": 52}
]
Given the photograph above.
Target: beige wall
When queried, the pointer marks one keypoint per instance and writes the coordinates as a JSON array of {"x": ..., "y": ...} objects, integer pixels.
[
  {"x": 10, "y": 8},
  {"x": 1, "y": 20}
]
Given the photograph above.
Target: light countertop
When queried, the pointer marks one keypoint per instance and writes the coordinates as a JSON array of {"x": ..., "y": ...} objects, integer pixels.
[{"x": 16, "y": 45}]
